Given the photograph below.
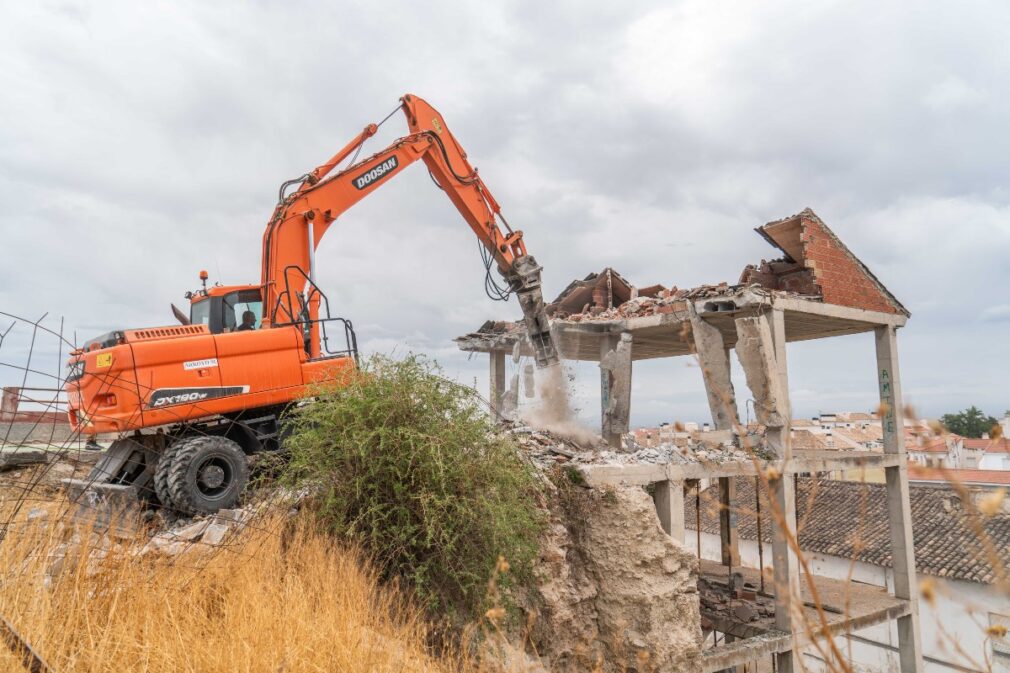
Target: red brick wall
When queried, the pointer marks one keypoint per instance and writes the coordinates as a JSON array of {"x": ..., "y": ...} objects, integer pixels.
[
  {"x": 793, "y": 277},
  {"x": 842, "y": 280}
]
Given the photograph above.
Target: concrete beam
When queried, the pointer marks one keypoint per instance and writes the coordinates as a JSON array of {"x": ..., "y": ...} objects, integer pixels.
[
  {"x": 803, "y": 461},
  {"x": 615, "y": 387},
  {"x": 634, "y": 474},
  {"x": 669, "y": 498},
  {"x": 834, "y": 311},
  {"x": 898, "y": 506}
]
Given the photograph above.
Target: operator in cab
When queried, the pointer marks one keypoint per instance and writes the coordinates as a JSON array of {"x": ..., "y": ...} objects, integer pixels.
[{"x": 248, "y": 322}]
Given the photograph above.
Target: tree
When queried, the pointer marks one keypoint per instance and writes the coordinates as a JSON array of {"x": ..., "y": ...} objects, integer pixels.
[{"x": 971, "y": 422}]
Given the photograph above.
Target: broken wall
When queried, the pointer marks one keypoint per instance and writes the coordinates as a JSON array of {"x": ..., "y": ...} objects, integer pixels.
[
  {"x": 818, "y": 263},
  {"x": 615, "y": 590}
]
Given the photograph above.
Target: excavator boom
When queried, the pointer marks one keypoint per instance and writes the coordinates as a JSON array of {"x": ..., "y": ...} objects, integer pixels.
[{"x": 303, "y": 217}]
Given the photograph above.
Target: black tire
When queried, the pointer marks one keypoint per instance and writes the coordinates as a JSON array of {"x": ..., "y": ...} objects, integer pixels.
[
  {"x": 206, "y": 474},
  {"x": 160, "y": 480}
]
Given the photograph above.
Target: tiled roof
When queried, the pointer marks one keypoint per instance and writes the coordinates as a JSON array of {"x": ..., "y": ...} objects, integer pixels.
[
  {"x": 861, "y": 435},
  {"x": 849, "y": 519},
  {"x": 988, "y": 445},
  {"x": 938, "y": 445},
  {"x": 806, "y": 440}
]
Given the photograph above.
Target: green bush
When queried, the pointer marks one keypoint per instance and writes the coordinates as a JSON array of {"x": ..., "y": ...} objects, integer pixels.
[{"x": 410, "y": 467}]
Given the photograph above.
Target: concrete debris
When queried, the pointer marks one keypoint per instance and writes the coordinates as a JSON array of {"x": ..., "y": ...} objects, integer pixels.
[
  {"x": 215, "y": 533},
  {"x": 203, "y": 534},
  {"x": 596, "y": 293},
  {"x": 12, "y": 458},
  {"x": 719, "y": 602},
  {"x": 38, "y": 516},
  {"x": 546, "y": 449}
]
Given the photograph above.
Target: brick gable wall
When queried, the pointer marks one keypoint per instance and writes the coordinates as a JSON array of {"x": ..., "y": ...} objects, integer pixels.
[{"x": 843, "y": 280}]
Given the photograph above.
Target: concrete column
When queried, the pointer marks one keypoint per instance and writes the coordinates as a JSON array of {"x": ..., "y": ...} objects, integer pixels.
[
  {"x": 615, "y": 387},
  {"x": 669, "y": 498},
  {"x": 898, "y": 507},
  {"x": 757, "y": 353},
  {"x": 713, "y": 357},
  {"x": 781, "y": 436},
  {"x": 497, "y": 375},
  {"x": 761, "y": 349},
  {"x": 728, "y": 532}
]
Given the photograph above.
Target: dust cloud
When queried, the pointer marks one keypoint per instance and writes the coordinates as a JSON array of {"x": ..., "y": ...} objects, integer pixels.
[{"x": 553, "y": 412}]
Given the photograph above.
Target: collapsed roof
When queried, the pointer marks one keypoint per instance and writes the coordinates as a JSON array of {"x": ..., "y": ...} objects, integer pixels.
[{"x": 815, "y": 266}]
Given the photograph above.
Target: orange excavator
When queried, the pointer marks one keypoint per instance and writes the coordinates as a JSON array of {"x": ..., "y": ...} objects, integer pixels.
[{"x": 191, "y": 402}]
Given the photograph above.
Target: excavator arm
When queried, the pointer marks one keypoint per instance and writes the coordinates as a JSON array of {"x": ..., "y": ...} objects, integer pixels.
[{"x": 303, "y": 217}]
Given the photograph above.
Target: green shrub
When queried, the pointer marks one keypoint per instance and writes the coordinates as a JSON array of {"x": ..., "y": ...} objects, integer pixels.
[{"x": 410, "y": 467}]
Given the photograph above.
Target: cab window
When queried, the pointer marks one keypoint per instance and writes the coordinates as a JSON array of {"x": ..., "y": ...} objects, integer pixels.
[
  {"x": 199, "y": 313},
  {"x": 237, "y": 304}
]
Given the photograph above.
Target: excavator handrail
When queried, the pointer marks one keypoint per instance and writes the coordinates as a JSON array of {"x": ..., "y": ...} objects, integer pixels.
[{"x": 307, "y": 321}]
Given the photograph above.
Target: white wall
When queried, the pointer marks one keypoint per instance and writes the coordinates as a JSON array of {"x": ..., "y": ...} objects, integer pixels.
[
  {"x": 959, "y": 615},
  {"x": 994, "y": 461}
]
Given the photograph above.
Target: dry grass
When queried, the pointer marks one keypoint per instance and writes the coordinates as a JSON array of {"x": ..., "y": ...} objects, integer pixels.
[{"x": 267, "y": 602}]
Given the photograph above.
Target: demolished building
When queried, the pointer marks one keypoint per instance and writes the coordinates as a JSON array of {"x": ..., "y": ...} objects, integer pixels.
[{"x": 816, "y": 289}]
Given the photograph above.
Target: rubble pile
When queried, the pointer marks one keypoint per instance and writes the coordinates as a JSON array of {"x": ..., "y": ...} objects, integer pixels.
[
  {"x": 547, "y": 449},
  {"x": 198, "y": 534},
  {"x": 738, "y": 603},
  {"x": 672, "y": 300}
]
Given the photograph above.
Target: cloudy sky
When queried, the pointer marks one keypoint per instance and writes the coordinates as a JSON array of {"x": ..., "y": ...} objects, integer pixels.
[{"x": 141, "y": 142}]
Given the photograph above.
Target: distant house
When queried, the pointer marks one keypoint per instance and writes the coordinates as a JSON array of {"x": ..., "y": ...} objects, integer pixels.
[
  {"x": 946, "y": 451},
  {"x": 993, "y": 454}
]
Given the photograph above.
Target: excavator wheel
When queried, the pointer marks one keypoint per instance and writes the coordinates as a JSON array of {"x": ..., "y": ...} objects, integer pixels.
[
  {"x": 161, "y": 476},
  {"x": 206, "y": 474}
]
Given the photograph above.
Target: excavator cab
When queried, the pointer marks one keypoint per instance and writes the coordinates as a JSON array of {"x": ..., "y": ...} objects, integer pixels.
[{"x": 221, "y": 309}]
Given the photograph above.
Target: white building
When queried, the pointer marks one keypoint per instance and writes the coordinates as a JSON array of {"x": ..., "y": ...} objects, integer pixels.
[{"x": 994, "y": 453}]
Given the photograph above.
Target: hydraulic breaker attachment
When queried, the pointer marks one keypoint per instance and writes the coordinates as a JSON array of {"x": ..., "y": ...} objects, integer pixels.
[{"x": 525, "y": 282}]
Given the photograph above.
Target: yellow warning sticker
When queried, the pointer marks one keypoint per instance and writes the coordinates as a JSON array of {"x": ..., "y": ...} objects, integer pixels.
[
  {"x": 437, "y": 125},
  {"x": 103, "y": 360}
]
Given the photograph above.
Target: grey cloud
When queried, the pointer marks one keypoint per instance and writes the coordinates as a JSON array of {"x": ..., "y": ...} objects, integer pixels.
[{"x": 139, "y": 145}]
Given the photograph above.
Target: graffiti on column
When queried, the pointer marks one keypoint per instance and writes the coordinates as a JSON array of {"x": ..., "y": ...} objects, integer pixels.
[{"x": 887, "y": 399}]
